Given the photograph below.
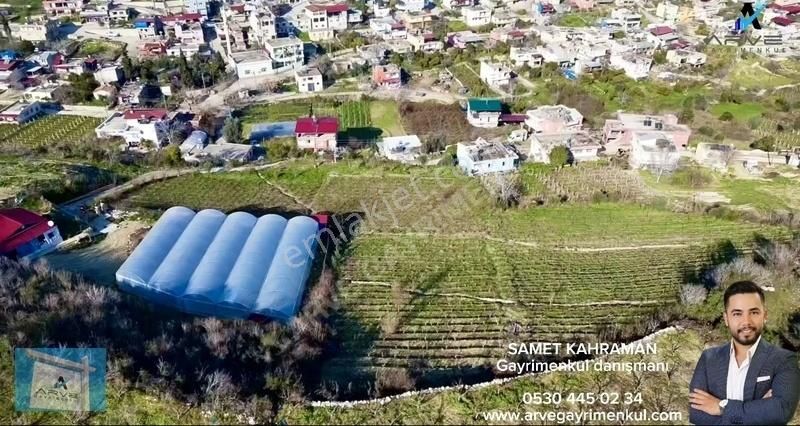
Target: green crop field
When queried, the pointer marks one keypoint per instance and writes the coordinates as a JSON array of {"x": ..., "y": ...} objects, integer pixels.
[
  {"x": 352, "y": 114},
  {"x": 47, "y": 130},
  {"x": 439, "y": 279}
]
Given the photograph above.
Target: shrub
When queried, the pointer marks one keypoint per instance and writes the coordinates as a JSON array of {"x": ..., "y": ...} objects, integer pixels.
[{"x": 726, "y": 116}]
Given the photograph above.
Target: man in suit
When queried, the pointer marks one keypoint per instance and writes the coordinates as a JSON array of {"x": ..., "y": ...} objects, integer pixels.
[{"x": 747, "y": 381}]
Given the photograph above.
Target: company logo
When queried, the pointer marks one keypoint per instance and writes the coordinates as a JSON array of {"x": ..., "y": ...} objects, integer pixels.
[
  {"x": 745, "y": 38},
  {"x": 749, "y": 17},
  {"x": 54, "y": 379}
]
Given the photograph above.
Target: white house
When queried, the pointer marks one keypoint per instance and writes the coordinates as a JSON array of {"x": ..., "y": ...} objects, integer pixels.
[
  {"x": 317, "y": 134},
  {"x": 484, "y": 112},
  {"x": 550, "y": 119},
  {"x": 410, "y": 5},
  {"x": 635, "y": 66},
  {"x": 136, "y": 126},
  {"x": 21, "y": 112},
  {"x": 481, "y": 157},
  {"x": 476, "y": 16},
  {"x": 495, "y": 75},
  {"x": 625, "y": 20},
  {"x": 425, "y": 42},
  {"x": 405, "y": 149},
  {"x": 109, "y": 74},
  {"x": 653, "y": 151},
  {"x": 686, "y": 57},
  {"x": 309, "y": 80},
  {"x": 581, "y": 145},
  {"x": 252, "y": 63},
  {"x": 42, "y": 30},
  {"x": 529, "y": 56},
  {"x": 667, "y": 11}
]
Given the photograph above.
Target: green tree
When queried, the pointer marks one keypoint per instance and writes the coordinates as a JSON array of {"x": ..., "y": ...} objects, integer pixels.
[
  {"x": 618, "y": 35},
  {"x": 687, "y": 114},
  {"x": 187, "y": 79},
  {"x": 726, "y": 116},
  {"x": 172, "y": 155},
  {"x": 127, "y": 66},
  {"x": 767, "y": 143},
  {"x": 232, "y": 130},
  {"x": 281, "y": 149},
  {"x": 559, "y": 156},
  {"x": 81, "y": 88}
]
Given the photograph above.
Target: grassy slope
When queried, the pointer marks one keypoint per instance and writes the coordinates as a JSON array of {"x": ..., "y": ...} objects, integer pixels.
[
  {"x": 742, "y": 112},
  {"x": 385, "y": 116}
]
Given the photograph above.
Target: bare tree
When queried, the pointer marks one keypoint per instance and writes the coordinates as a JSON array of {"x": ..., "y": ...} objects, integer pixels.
[
  {"x": 505, "y": 188},
  {"x": 665, "y": 149}
]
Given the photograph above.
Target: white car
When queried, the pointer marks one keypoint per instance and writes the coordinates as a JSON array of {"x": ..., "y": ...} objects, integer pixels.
[{"x": 112, "y": 34}]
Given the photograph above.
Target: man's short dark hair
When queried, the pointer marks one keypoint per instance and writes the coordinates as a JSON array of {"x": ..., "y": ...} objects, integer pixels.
[{"x": 742, "y": 287}]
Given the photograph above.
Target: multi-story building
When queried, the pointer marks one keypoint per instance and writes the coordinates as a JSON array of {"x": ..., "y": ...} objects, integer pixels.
[
  {"x": 495, "y": 75},
  {"x": 667, "y": 11},
  {"x": 581, "y": 145},
  {"x": 63, "y": 7},
  {"x": 425, "y": 42},
  {"x": 287, "y": 52},
  {"x": 387, "y": 76},
  {"x": 619, "y": 132},
  {"x": 529, "y": 56},
  {"x": 308, "y": 80},
  {"x": 42, "y": 30},
  {"x": 323, "y": 17},
  {"x": 476, "y": 16},
  {"x": 625, "y": 20},
  {"x": 197, "y": 6},
  {"x": 149, "y": 28},
  {"x": 22, "y": 112},
  {"x": 686, "y": 57},
  {"x": 262, "y": 25},
  {"x": 278, "y": 55},
  {"x": 481, "y": 157},
  {"x": 410, "y": 5}
]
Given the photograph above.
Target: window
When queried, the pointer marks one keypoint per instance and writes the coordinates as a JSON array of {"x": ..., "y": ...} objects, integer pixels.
[{"x": 648, "y": 122}]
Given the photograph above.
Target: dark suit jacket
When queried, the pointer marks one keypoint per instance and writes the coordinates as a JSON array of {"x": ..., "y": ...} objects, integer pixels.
[{"x": 711, "y": 375}]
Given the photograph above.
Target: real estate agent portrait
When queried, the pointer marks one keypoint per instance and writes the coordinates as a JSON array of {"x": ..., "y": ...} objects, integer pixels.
[{"x": 747, "y": 381}]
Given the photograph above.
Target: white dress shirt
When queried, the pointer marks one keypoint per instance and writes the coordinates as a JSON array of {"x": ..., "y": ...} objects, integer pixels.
[{"x": 737, "y": 373}]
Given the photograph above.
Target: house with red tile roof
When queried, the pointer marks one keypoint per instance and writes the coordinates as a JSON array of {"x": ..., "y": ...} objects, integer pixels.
[
  {"x": 318, "y": 134},
  {"x": 26, "y": 235}
]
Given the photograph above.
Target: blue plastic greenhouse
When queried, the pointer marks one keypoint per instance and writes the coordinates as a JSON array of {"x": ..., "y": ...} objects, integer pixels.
[{"x": 230, "y": 266}]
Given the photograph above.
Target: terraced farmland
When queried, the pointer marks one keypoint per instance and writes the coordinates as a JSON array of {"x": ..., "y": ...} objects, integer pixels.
[
  {"x": 47, "y": 130},
  {"x": 448, "y": 304}
]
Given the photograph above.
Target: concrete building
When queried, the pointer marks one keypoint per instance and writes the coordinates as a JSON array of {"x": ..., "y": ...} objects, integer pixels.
[
  {"x": 405, "y": 149},
  {"x": 549, "y": 119},
  {"x": 714, "y": 155},
  {"x": 63, "y": 7},
  {"x": 653, "y": 151},
  {"x": 410, "y": 5},
  {"x": 309, "y": 80},
  {"x": 582, "y": 147},
  {"x": 387, "y": 76},
  {"x": 618, "y": 133},
  {"x": 625, "y": 20},
  {"x": 481, "y": 157},
  {"x": 686, "y": 57},
  {"x": 667, "y": 11},
  {"x": 197, "y": 6},
  {"x": 476, "y": 16},
  {"x": 495, "y": 75},
  {"x": 262, "y": 25},
  {"x": 21, "y": 112},
  {"x": 197, "y": 148},
  {"x": 529, "y": 56},
  {"x": 109, "y": 74},
  {"x": 425, "y": 42},
  {"x": 136, "y": 126},
  {"x": 35, "y": 31},
  {"x": 635, "y": 66},
  {"x": 456, "y": 4}
]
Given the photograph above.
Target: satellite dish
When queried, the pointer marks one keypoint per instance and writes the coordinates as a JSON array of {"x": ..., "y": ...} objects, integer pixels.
[{"x": 50, "y": 223}]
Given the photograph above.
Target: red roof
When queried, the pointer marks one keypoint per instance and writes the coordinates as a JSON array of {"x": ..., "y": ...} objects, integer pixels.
[
  {"x": 238, "y": 7},
  {"x": 782, "y": 21},
  {"x": 513, "y": 118},
  {"x": 8, "y": 65},
  {"x": 310, "y": 125},
  {"x": 336, "y": 8},
  {"x": 19, "y": 226},
  {"x": 789, "y": 9},
  {"x": 153, "y": 113},
  {"x": 183, "y": 17},
  {"x": 516, "y": 34},
  {"x": 661, "y": 30}
]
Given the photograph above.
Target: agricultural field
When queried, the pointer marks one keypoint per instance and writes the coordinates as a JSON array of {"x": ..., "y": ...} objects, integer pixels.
[
  {"x": 352, "y": 114},
  {"x": 227, "y": 192},
  {"x": 385, "y": 115},
  {"x": 439, "y": 279},
  {"x": 785, "y": 139},
  {"x": 471, "y": 80},
  {"x": 47, "y": 130}
]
